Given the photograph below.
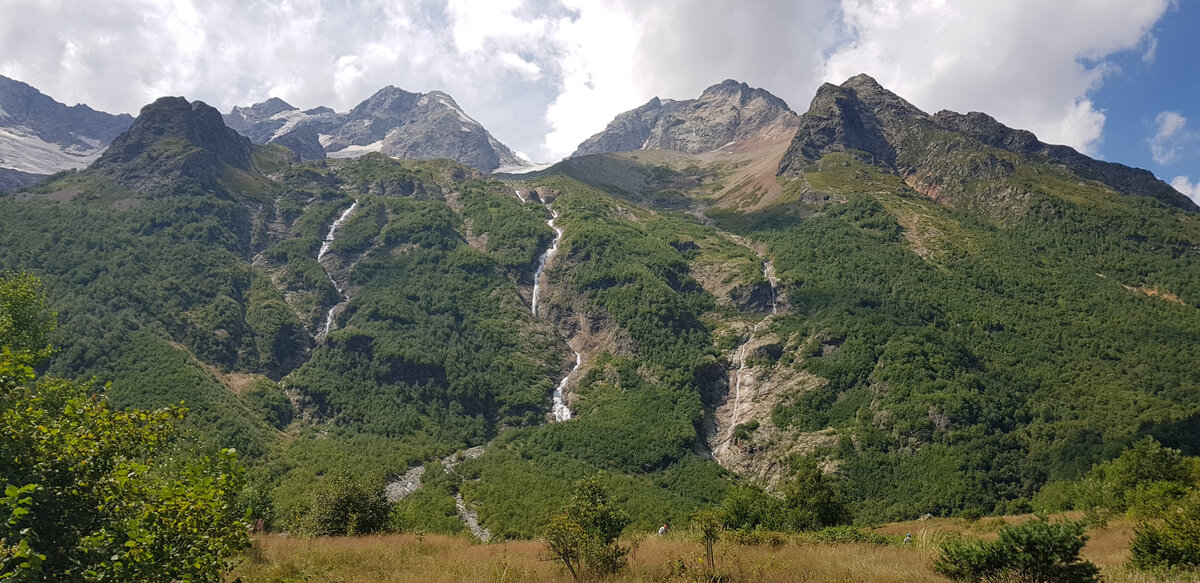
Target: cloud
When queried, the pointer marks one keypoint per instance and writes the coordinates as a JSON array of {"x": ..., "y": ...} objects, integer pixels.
[
  {"x": 1187, "y": 187},
  {"x": 618, "y": 55},
  {"x": 1032, "y": 64},
  {"x": 1170, "y": 139},
  {"x": 543, "y": 75},
  {"x": 118, "y": 55}
]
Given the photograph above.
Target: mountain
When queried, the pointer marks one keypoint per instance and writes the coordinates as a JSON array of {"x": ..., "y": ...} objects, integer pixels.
[
  {"x": 173, "y": 140},
  {"x": 970, "y": 160},
  {"x": 947, "y": 315},
  {"x": 39, "y": 135},
  {"x": 724, "y": 114},
  {"x": 13, "y": 179},
  {"x": 394, "y": 122}
]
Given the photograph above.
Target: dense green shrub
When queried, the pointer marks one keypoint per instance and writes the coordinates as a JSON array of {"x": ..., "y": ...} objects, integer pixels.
[
  {"x": 1172, "y": 541},
  {"x": 88, "y": 492},
  {"x": 343, "y": 506},
  {"x": 1037, "y": 551},
  {"x": 809, "y": 502},
  {"x": 583, "y": 534}
]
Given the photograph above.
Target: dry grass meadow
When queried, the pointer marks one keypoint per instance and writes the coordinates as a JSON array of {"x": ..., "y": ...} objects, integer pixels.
[{"x": 437, "y": 559}]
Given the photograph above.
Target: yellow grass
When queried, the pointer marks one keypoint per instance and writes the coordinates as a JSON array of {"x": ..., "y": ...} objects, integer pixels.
[
  {"x": 435, "y": 559},
  {"x": 440, "y": 559}
]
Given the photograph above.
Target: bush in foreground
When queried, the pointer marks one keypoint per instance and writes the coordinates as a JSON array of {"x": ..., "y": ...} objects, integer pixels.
[
  {"x": 342, "y": 506},
  {"x": 1172, "y": 542},
  {"x": 89, "y": 493},
  {"x": 1036, "y": 551},
  {"x": 583, "y": 535}
]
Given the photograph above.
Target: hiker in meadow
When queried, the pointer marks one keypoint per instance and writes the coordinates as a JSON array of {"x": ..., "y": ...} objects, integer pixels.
[{"x": 662, "y": 530}]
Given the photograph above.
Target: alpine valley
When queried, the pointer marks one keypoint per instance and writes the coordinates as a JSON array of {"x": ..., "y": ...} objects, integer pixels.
[{"x": 944, "y": 313}]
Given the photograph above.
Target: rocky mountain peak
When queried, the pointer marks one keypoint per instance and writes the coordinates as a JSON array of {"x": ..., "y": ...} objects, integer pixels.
[
  {"x": 1122, "y": 178},
  {"x": 724, "y": 114},
  {"x": 837, "y": 120},
  {"x": 988, "y": 130},
  {"x": 183, "y": 124},
  {"x": 742, "y": 94},
  {"x": 40, "y": 135},
  {"x": 957, "y": 157},
  {"x": 393, "y": 122},
  {"x": 268, "y": 108},
  {"x": 390, "y": 101},
  {"x": 170, "y": 138}
]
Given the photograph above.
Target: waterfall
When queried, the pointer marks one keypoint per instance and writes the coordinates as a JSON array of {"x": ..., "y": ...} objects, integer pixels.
[
  {"x": 321, "y": 255},
  {"x": 769, "y": 274},
  {"x": 561, "y": 411}
]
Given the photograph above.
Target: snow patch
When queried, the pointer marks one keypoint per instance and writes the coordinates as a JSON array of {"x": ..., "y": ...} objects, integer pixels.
[
  {"x": 355, "y": 151},
  {"x": 462, "y": 116},
  {"x": 21, "y": 150},
  {"x": 521, "y": 168},
  {"x": 291, "y": 118}
]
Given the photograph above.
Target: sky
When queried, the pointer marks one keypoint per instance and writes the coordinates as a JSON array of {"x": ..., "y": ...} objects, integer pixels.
[{"x": 1116, "y": 79}]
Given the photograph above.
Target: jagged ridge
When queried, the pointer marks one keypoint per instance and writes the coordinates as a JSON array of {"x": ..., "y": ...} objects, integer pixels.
[
  {"x": 39, "y": 135},
  {"x": 726, "y": 112},
  {"x": 393, "y": 122},
  {"x": 963, "y": 159}
]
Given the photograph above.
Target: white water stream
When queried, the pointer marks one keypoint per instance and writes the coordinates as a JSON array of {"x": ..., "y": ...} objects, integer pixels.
[
  {"x": 769, "y": 274},
  {"x": 321, "y": 255},
  {"x": 561, "y": 411},
  {"x": 537, "y": 274}
]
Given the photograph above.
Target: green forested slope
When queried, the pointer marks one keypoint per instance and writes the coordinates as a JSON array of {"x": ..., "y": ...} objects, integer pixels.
[{"x": 966, "y": 351}]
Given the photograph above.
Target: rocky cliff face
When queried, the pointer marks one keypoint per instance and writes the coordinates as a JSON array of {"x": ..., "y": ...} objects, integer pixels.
[
  {"x": 393, "y": 122},
  {"x": 1119, "y": 177},
  {"x": 725, "y": 113},
  {"x": 39, "y": 135},
  {"x": 173, "y": 139},
  {"x": 967, "y": 160}
]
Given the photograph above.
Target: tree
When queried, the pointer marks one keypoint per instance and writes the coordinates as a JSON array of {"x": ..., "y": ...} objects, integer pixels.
[
  {"x": 1170, "y": 542},
  {"x": 583, "y": 534},
  {"x": 343, "y": 506},
  {"x": 94, "y": 494},
  {"x": 708, "y": 524},
  {"x": 1142, "y": 479},
  {"x": 811, "y": 502},
  {"x": 1037, "y": 551},
  {"x": 25, "y": 325}
]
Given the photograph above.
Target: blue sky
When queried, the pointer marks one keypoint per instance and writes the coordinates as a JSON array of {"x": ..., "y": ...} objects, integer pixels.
[
  {"x": 543, "y": 75},
  {"x": 1133, "y": 98}
]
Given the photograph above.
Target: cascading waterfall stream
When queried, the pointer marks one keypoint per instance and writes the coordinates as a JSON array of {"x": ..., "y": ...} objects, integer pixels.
[
  {"x": 537, "y": 274},
  {"x": 769, "y": 274},
  {"x": 561, "y": 411},
  {"x": 321, "y": 255}
]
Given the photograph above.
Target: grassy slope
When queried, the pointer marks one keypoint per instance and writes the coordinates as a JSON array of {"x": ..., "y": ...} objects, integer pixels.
[
  {"x": 978, "y": 359},
  {"x": 404, "y": 558}
]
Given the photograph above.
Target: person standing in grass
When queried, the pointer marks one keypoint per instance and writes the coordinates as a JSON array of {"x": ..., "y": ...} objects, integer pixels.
[{"x": 662, "y": 530}]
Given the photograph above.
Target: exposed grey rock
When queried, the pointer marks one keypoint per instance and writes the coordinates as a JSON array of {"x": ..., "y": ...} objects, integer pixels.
[
  {"x": 394, "y": 122},
  {"x": 39, "y": 135},
  {"x": 724, "y": 113},
  {"x": 1119, "y": 177},
  {"x": 173, "y": 139},
  {"x": 14, "y": 179},
  {"x": 964, "y": 159},
  {"x": 304, "y": 141}
]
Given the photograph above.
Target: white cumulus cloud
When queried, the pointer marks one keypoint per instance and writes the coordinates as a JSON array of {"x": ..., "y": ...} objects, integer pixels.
[
  {"x": 1170, "y": 137},
  {"x": 1030, "y": 63},
  {"x": 543, "y": 75},
  {"x": 1186, "y": 186}
]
